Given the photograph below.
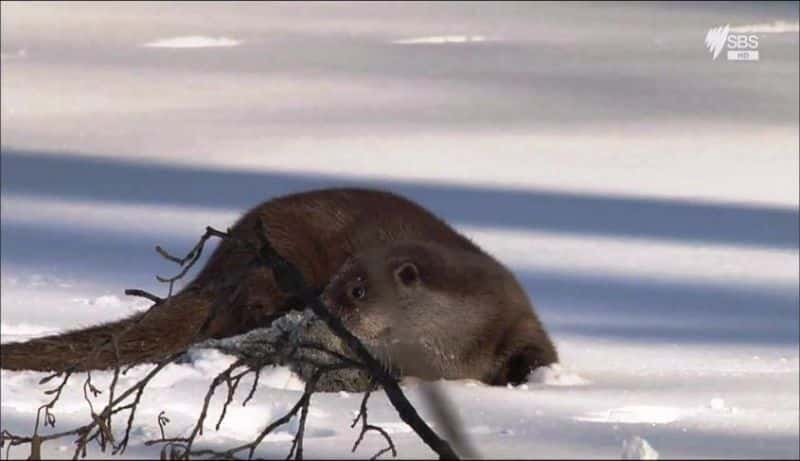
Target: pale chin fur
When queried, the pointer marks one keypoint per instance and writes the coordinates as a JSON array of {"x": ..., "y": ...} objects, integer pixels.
[{"x": 388, "y": 351}]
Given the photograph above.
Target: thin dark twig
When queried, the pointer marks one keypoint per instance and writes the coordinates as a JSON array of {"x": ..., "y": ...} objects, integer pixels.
[
  {"x": 49, "y": 418},
  {"x": 252, "y": 388},
  {"x": 162, "y": 421},
  {"x": 112, "y": 388},
  {"x": 144, "y": 294},
  {"x": 251, "y": 446},
  {"x": 233, "y": 383},
  {"x": 123, "y": 445},
  {"x": 187, "y": 442},
  {"x": 190, "y": 259},
  {"x": 83, "y": 431},
  {"x": 297, "y": 442},
  {"x": 366, "y": 427}
]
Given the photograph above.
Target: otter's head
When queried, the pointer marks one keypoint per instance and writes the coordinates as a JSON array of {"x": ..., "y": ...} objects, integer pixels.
[
  {"x": 382, "y": 292},
  {"x": 438, "y": 312},
  {"x": 382, "y": 296},
  {"x": 434, "y": 312}
]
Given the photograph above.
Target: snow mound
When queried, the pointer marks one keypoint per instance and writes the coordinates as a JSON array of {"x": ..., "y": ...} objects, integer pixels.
[
  {"x": 638, "y": 448},
  {"x": 556, "y": 375}
]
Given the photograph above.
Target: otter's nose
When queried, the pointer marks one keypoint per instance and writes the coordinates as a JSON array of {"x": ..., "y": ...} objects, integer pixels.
[
  {"x": 327, "y": 300},
  {"x": 330, "y": 302}
]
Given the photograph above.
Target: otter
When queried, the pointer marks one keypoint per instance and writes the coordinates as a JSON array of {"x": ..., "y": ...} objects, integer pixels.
[{"x": 426, "y": 298}]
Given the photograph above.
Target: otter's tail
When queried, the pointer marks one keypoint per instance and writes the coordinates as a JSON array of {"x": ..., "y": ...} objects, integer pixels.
[{"x": 165, "y": 329}]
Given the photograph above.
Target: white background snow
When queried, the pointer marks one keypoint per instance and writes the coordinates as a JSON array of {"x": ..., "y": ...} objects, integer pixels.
[{"x": 645, "y": 195}]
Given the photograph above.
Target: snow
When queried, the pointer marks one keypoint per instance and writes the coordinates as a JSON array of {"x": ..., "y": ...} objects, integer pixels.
[
  {"x": 777, "y": 27},
  {"x": 441, "y": 40},
  {"x": 638, "y": 448},
  {"x": 717, "y": 404},
  {"x": 635, "y": 414},
  {"x": 645, "y": 195},
  {"x": 554, "y": 375},
  {"x": 193, "y": 41}
]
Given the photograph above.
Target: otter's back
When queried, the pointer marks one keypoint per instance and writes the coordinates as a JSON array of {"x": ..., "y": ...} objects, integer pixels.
[{"x": 318, "y": 230}]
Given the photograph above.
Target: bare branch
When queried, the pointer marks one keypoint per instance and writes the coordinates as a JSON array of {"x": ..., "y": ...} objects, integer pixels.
[
  {"x": 143, "y": 294},
  {"x": 83, "y": 431},
  {"x": 190, "y": 259},
  {"x": 162, "y": 421},
  {"x": 366, "y": 427},
  {"x": 49, "y": 418},
  {"x": 252, "y": 388}
]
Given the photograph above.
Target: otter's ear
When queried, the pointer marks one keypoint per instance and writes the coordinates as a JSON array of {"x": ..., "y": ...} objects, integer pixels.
[{"x": 407, "y": 274}]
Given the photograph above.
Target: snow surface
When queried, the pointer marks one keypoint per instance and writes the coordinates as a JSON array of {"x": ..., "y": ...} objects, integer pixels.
[
  {"x": 638, "y": 448},
  {"x": 193, "y": 41},
  {"x": 645, "y": 195}
]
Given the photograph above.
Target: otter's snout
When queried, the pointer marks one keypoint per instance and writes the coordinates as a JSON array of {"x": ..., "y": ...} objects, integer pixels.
[
  {"x": 308, "y": 360},
  {"x": 328, "y": 301}
]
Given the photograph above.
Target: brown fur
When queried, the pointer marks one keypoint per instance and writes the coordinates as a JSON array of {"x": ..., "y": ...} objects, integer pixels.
[
  {"x": 433, "y": 311},
  {"x": 318, "y": 231}
]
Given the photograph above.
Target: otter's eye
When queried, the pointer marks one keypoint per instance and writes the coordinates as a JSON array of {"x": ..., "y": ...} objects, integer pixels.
[{"x": 358, "y": 292}]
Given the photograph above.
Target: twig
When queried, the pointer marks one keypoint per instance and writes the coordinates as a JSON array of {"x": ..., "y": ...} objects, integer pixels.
[
  {"x": 144, "y": 294},
  {"x": 49, "y": 418},
  {"x": 233, "y": 384},
  {"x": 252, "y": 388},
  {"x": 162, "y": 421},
  {"x": 83, "y": 431},
  {"x": 190, "y": 259},
  {"x": 297, "y": 442},
  {"x": 365, "y": 427}
]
